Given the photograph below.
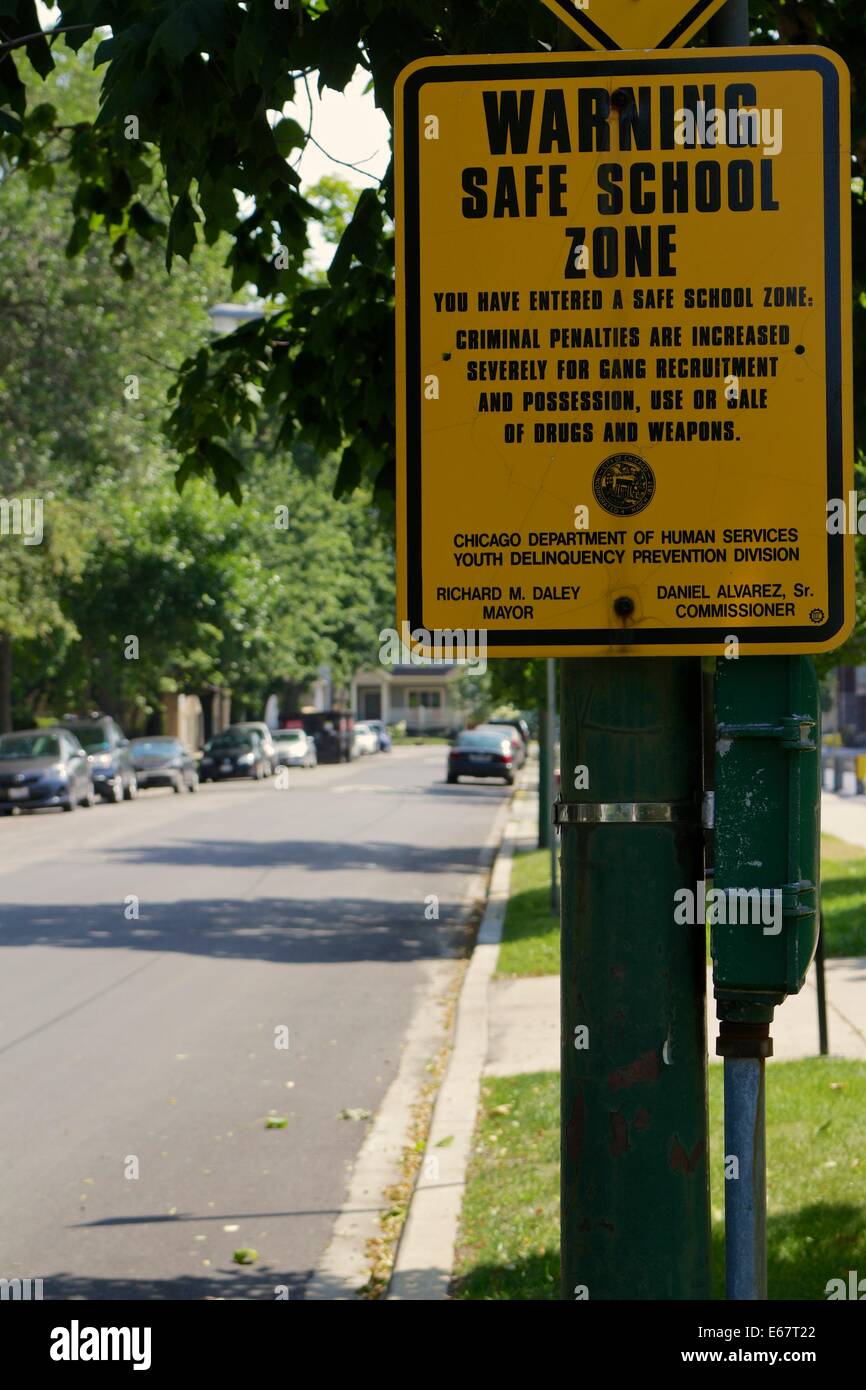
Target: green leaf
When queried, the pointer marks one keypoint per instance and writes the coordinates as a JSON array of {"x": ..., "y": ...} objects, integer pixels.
[
  {"x": 148, "y": 227},
  {"x": 41, "y": 176},
  {"x": 41, "y": 118},
  {"x": 10, "y": 124},
  {"x": 289, "y": 136},
  {"x": 107, "y": 50},
  {"x": 349, "y": 473},
  {"x": 79, "y": 237},
  {"x": 181, "y": 230},
  {"x": 177, "y": 36},
  {"x": 360, "y": 239},
  {"x": 186, "y": 470}
]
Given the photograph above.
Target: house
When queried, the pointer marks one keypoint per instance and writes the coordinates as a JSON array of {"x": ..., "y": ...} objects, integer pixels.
[
  {"x": 426, "y": 698},
  {"x": 196, "y": 718}
]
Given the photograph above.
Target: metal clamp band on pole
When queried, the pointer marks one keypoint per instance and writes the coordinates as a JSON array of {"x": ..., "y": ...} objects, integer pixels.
[{"x": 625, "y": 812}]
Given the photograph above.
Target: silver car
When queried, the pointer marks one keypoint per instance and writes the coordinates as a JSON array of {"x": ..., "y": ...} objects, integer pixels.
[
  {"x": 366, "y": 740},
  {"x": 44, "y": 767},
  {"x": 295, "y": 748},
  {"x": 518, "y": 747}
]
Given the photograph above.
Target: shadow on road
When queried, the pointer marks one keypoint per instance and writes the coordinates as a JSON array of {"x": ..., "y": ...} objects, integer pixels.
[
  {"x": 316, "y": 855},
  {"x": 298, "y": 931},
  {"x": 240, "y": 1282}
]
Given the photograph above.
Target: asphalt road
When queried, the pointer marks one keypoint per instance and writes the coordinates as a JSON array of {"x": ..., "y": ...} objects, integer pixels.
[{"x": 148, "y": 1043}]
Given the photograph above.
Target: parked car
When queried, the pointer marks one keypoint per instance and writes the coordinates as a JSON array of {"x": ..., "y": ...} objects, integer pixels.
[
  {"x": 161, "y": 761},
  {"x": 519, "y": 724},
  {"x": 233, "y": 753},
  {"x": 44, "y": 767},
  {"x": 259, "y": 727},
  {"x": 332, "y": 730},
  {"x": 508, "y": 731},
  {"x": 295, "y": 748},
  {"x": 109, "y": 752},
  {"x": 366, "y": 740},
  {"x": 384, "y": 737},
  {"x": 480, "y": 754}
]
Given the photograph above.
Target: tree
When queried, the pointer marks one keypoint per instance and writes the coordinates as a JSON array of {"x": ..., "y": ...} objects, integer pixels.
[
  {"x": 179, "y": 592},
  {"x": 335, "y": 201},
  {"x": 209, "y": 594},
  {"x": 83, "y": 378}
]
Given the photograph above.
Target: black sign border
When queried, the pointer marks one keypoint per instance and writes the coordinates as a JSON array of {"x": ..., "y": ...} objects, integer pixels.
[
  {"x": 570, "y": 12},
  {"x": 608, "y": 65}
]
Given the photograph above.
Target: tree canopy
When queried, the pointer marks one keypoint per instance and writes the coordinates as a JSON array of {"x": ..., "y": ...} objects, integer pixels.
[{"x": 213, "y": 595}]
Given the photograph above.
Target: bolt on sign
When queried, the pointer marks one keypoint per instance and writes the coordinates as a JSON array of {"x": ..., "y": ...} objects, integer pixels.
[
  {"x": 635, "y": 23},
  {"x": 624, "y": 351}
]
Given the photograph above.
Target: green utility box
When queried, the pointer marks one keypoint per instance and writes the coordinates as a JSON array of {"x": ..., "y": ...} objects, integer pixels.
[{"x": 767, "y": 833}]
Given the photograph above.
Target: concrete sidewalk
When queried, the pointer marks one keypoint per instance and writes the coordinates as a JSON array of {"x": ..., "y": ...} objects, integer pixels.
[
  {"x": 844, "y": 816},
  {"x": 524, "y": 1013},
  {"x": 524, "y": 1020}
]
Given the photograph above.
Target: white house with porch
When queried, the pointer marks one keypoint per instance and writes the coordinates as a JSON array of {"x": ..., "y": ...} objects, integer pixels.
[{"x": 425, "y": 698}]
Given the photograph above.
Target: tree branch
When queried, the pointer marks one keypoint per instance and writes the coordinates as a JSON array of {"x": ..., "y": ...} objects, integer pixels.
[{"x": 9, "y": 44}]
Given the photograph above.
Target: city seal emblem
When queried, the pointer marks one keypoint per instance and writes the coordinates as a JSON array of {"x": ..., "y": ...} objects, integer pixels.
[{"x": 624, "y": 484}]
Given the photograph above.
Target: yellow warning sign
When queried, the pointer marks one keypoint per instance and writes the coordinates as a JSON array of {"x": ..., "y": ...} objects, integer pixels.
[
  {"x": 635, "y": 23},
  {"x": 624, "y": 352}
]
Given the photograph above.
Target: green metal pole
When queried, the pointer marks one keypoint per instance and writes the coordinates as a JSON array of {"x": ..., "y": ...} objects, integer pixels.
[
  {"x": 550, "y": 673},
  {"x": 545, "y": 780},
  {"x": 635, "y": 1188}
]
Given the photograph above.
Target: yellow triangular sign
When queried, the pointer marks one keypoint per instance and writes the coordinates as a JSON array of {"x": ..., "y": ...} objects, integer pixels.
[{"x": 634, "y": 23}]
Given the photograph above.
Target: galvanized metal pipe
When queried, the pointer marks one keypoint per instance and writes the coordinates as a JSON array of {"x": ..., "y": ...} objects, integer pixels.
[
  {"x": 745, "y": 1096},
  {"x": 823, "y": 1038},
  {"x": 745, "y": 1179},
  {"x": 730, "y": 27}
]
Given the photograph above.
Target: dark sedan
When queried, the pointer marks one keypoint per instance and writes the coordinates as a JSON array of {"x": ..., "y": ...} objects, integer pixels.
[
  {"x": 163, "y": 762},
  {"x": 43, "y": 767},
  {"x": 233, "y": 754},
  {"x": 481, "y": 755},
  {"x": 108, "y": 753}
]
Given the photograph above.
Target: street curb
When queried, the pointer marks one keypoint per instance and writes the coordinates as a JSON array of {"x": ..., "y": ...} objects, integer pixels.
[
  {"x": 345, "y": 1265},
  {"x": 425, "y": 1255}
]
